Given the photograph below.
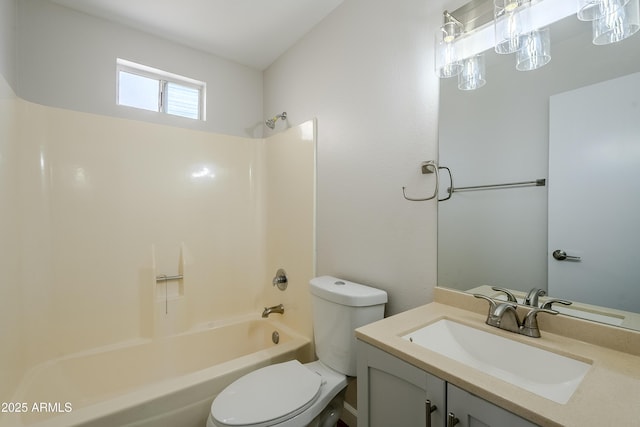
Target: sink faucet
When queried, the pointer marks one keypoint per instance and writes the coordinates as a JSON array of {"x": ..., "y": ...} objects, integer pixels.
[
  {"x": 275, "y": 309},
  {"x": 502, "y": 315},
  {"x": 530, "y": 323},
  {"x": 507, "y": 317},
  {"x": 532, "y": 297}
]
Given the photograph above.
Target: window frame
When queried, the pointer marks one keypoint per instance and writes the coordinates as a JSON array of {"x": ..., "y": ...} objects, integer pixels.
[{"x": 163, "y": 78}]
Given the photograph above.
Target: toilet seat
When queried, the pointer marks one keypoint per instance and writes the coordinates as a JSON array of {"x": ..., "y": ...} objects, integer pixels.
[{"x": 267, "y": 396}]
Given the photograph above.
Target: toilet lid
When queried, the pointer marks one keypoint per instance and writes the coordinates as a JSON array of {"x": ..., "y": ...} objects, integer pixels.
[{"x": 269, "y": 394}]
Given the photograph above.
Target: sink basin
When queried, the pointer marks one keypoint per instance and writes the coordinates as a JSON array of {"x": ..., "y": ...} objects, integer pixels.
[{"x": 542, "y": 372}]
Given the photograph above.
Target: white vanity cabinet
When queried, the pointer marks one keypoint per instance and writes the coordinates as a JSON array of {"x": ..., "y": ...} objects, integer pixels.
[{"x": 392, "y": 392}]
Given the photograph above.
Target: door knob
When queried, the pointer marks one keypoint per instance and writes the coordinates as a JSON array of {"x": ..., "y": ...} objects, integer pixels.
[{"x": 561, "y": 255}]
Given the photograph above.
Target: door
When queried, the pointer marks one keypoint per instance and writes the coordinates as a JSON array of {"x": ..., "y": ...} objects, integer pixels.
[
  {"x": 392, "y": 392},
  {"x": 472, "y": 411},
  {"x": 594, "y": 194}
]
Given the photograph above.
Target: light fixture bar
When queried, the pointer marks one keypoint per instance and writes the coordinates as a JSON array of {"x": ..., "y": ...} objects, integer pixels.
[
  {"x": 474, "y": 14},
  {"x": 450, "y": 18},
  {"x": 541, "y": 14}
]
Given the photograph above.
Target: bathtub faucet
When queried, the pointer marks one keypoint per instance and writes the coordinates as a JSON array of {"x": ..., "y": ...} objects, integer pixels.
[{"x": 275, "y": 309}]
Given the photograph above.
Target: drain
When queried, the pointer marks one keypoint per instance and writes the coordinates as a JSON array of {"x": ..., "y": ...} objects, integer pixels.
[{"x": 275, "y": 337}]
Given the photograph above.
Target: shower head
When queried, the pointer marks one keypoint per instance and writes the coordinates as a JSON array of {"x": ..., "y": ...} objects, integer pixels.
[{"x": 271, "y": 123}]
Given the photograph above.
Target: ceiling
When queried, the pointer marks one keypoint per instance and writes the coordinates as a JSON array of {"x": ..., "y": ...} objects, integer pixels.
[{"x": 251, "y": 32}]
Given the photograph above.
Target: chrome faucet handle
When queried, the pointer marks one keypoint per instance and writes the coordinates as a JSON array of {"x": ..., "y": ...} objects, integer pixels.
[
  {"x": 491, "y": 320},
  {"x": 510, "y": 296},
  {"x": 532, "y": 297},
  {"x": 280, "y": 280},
  {"x": 497, "y": 310},
  {"x": 530, "y": 322},
  {"x": 548, "y": 303}
]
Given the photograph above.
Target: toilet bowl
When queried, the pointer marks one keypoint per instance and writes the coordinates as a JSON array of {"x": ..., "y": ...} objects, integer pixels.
[
  {"x": 287, "y": 394},
  {"x": 292, "y": 394}
]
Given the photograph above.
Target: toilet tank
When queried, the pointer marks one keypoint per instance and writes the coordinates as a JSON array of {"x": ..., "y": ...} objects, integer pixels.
[{"x": 339, "y": 307}]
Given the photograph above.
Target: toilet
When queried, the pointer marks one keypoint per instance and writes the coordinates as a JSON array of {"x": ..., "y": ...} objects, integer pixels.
[{"x": 292, "y": 394}]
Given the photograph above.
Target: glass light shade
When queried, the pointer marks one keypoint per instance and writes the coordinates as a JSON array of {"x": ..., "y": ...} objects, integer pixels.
[
  {"x": 446, "y": 62},
  {"x": 510, "y": 21},
  {"x": 535, "y": 51},
  {"x": 472, "y": 75},
  {"x": 589, "y": 10},
  {"x": 618, "y": 25}
]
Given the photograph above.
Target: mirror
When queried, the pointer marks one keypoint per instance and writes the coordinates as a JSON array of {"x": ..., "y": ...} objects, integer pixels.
[{"x": 500, "y": 134}]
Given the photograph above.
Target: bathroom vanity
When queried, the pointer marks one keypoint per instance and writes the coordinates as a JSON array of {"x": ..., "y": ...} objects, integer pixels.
[
  {"x": 408, "y": 382},
  {"x": 404, "y": 395}
]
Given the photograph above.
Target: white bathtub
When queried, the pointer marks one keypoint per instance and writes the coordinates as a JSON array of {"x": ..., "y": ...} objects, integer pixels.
[{"x": 164, "y": 382}]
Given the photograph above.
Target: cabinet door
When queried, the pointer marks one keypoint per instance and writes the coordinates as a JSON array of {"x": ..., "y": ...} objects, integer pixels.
[
  {"x": 471, "y": 411},
  {"x": 394, "y": 393}
]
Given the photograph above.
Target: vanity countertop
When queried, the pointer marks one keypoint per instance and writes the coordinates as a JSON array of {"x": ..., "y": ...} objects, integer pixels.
[{"x": 608, "y": 394}]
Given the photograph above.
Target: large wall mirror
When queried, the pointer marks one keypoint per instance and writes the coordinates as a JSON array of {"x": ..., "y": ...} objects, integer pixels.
[{"x": 501, "y": 134}]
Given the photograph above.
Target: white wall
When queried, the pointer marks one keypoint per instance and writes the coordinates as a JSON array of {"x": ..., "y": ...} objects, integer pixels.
[
  {"x": 67, "y": 59},
  {"x": 366, "y": 74},
  {"x": 7, "y": 40}
]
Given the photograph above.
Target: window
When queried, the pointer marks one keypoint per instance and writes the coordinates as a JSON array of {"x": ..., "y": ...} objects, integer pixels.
[{"x": 151, "y": 89}]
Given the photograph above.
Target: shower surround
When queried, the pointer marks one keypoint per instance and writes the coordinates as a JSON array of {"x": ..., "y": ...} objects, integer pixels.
[{"x": 95, "y": 208}]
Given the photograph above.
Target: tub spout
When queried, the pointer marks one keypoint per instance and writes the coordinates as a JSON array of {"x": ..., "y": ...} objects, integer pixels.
[{"x": 275, "y": 309}]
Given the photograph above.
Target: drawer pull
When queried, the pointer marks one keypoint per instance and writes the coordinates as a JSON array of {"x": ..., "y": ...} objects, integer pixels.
[{"x": 429, "y": 409}]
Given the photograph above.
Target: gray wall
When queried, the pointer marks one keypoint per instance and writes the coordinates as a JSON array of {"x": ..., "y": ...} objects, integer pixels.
[
  {"x": 366, "y": 73},
  {"x": 67, "y": 59},
  {"x": 7, "y": 40}
]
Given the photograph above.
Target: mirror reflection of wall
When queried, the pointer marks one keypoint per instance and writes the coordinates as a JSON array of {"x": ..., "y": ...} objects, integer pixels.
[{"x": 498, "y": 134}]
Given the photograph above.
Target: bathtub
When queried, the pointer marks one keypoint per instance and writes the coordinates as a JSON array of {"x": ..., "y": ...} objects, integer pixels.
[{"x": 162, "y": 382}]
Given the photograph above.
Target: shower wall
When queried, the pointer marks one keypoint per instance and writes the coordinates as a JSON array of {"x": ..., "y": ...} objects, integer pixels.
[
  {"x": 106, "y": 204},
  {"x": 11, "y": 328},
  {"x": 290, "y": 217},
  {"x": 110, "y": 204}
]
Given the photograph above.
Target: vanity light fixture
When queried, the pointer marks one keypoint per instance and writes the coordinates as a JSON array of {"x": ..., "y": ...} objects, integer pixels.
[
  {"x": 472, "y": 75},
  {"x": 535, "y": 51},
  {"x": 510, "y": 21},
  {"x": 447, "y": 62},
  {"x": 617, "y": 25},
  {"x": 590, "y": 10},
  {"x": 521, "y": 27}
]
